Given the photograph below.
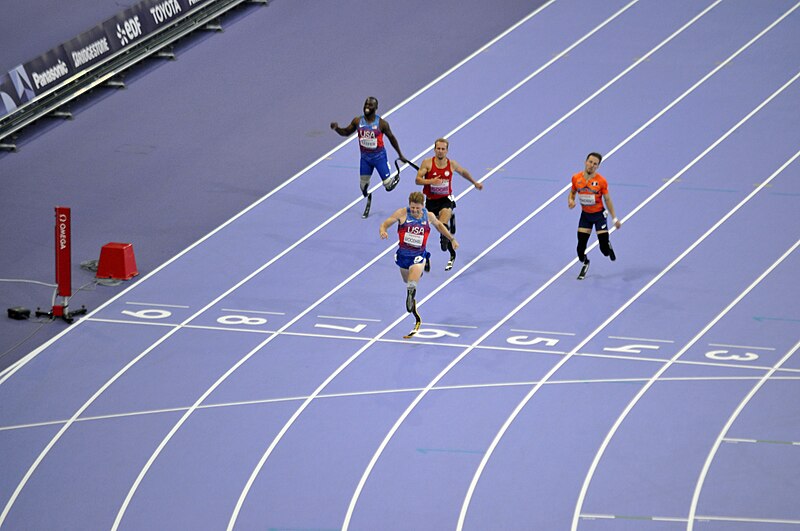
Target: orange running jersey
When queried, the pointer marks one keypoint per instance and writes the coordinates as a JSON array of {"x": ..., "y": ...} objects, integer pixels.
[{"x": 590, "y": 192}]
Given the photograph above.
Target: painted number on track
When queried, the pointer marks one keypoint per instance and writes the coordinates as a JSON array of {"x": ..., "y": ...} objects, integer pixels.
[
  {"x": 725, "y": 355},
  {"x": 528, "y": 341},
  {"x": 152, "y": 313},
  {"x": 241, "y": 320}
]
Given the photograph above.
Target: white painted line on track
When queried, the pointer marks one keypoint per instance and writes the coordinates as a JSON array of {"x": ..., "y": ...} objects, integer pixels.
[
  {"x": 24, "y": 360},
  {"x": 695, "y": 339},
  {"x": 155, "y": 305},
  {"x": 642, "y": 339},
  {"x": 349, "y": 318},
  {"x": 183, "y": 419},
  {"x": 747, "y": 520},
  {"x": 713, "y": 452},
  {"x": 740, "y": 346},
  {"x": 277, "y": 439},
  {"x": 411, "y": 407},
  {"x": 371, "y": 465},
  {"x": 149, "y": 349},
  {"x": 451, "y": 325},
  {"x": 633, "y": 212},
  {"x": 544, "y": 332},
  {"x": 375, "y": 392},
  {"x": 760, "y": 441},
  {"x": 396, "y": 426},
  {"x": 12, "y": 369},
  {"x": 448, "y": 344},
  {"x": 260, "y": 312},
  {"x": 683, "y": 519}
]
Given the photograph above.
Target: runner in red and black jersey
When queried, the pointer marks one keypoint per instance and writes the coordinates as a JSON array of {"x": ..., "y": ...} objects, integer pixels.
[{"x": 436, "y": 174}]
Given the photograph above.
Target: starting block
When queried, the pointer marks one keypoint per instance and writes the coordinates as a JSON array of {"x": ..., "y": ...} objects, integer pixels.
[{"x": 117, "y": 261}]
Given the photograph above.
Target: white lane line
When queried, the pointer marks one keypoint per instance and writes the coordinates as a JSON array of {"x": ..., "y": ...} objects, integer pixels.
[
  {"x": 760, "y": 441},
  {"x": 102, "y": 389},
  {"x": 156, "y": 305},
  {"x": 649, "y": 284},
  {"x": 748, "y": 520},
  {"x": 291, "y": 421},
  {"x": 452, "y": 387},
  {"x": 500, "y": 240},
  {"x": 444, "y": 344},
  {"x": 129, "y": 322},
  {"x": 396, "y": 426},
  {"x": 260, "y": 312},
  {"x": 183, "y": 419},
  {"x": 680, "y": 519},
  {"x": 124, "y": 369},
  {"x": 543, "y": 332},
  {"x": 642, "y": 339},
  {"x": 740, "y": 346},
  {"x": 12, "y": 369},
  {"x": 713, "y": 452},
  {"x": 632, "y": 517},
  {"x": 360, "y": 319},
  {"x": 695, "y": 339}
]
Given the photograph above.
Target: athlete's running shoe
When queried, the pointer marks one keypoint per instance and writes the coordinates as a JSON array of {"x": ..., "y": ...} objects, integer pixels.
[{"x": 450, "y": 263}]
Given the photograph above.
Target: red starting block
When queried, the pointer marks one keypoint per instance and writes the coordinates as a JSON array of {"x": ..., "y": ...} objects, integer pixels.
[{"x": 117, "y": 261}]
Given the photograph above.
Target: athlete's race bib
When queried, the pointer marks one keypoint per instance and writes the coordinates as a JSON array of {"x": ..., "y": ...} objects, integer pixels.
[
  {"x": 368, "y": 143},
  {"x": 413, "y": 240},
  {"x": 440, "y": 189},
  {"x": 586, "y": 199}
]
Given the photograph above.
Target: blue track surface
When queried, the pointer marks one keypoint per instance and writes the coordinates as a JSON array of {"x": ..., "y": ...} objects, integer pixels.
[{"x": 260, "y": 379}]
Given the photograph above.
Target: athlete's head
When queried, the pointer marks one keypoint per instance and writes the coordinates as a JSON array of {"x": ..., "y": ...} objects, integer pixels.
[
  {"x": 440, "y": 148},
  {"x": 415, "y": 203},
  {"x": 592, "y": 162},
  {"x": 370, "y": 106}
]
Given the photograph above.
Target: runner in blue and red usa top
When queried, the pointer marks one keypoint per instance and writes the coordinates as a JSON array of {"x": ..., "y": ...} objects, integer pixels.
[
  {"x": 436, "y": 174},
  {"x": 591, "y": 190},
  {"x": 413, "y": 226},
  {"x": 371, "y": 130}
]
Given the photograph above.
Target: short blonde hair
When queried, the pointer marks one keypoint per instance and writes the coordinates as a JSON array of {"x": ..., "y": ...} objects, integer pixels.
[
  {"x": 416, "y": 197},
  {"x": 446, "y": 143}
]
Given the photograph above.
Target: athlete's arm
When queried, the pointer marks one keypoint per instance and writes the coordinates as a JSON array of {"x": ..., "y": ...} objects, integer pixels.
[
  {"x": 571, "y": 198},
  {"x": 399, "y": 216},
  {"x": 462, "y": 171},
  {"x": 346, "y": 131},
  {"x": 610, "y": 208},
  {"x": 386, "y": 130},
  {"x": 424, "y": 168},
  {"x": 442, "y": 229}
]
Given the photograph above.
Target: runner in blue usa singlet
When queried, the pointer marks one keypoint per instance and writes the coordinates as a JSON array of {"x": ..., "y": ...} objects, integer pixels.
[
  {"x": 371, "y": 130},
  {"x": 414, "y": 224},
  {"x": 413, "y": 235}
]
